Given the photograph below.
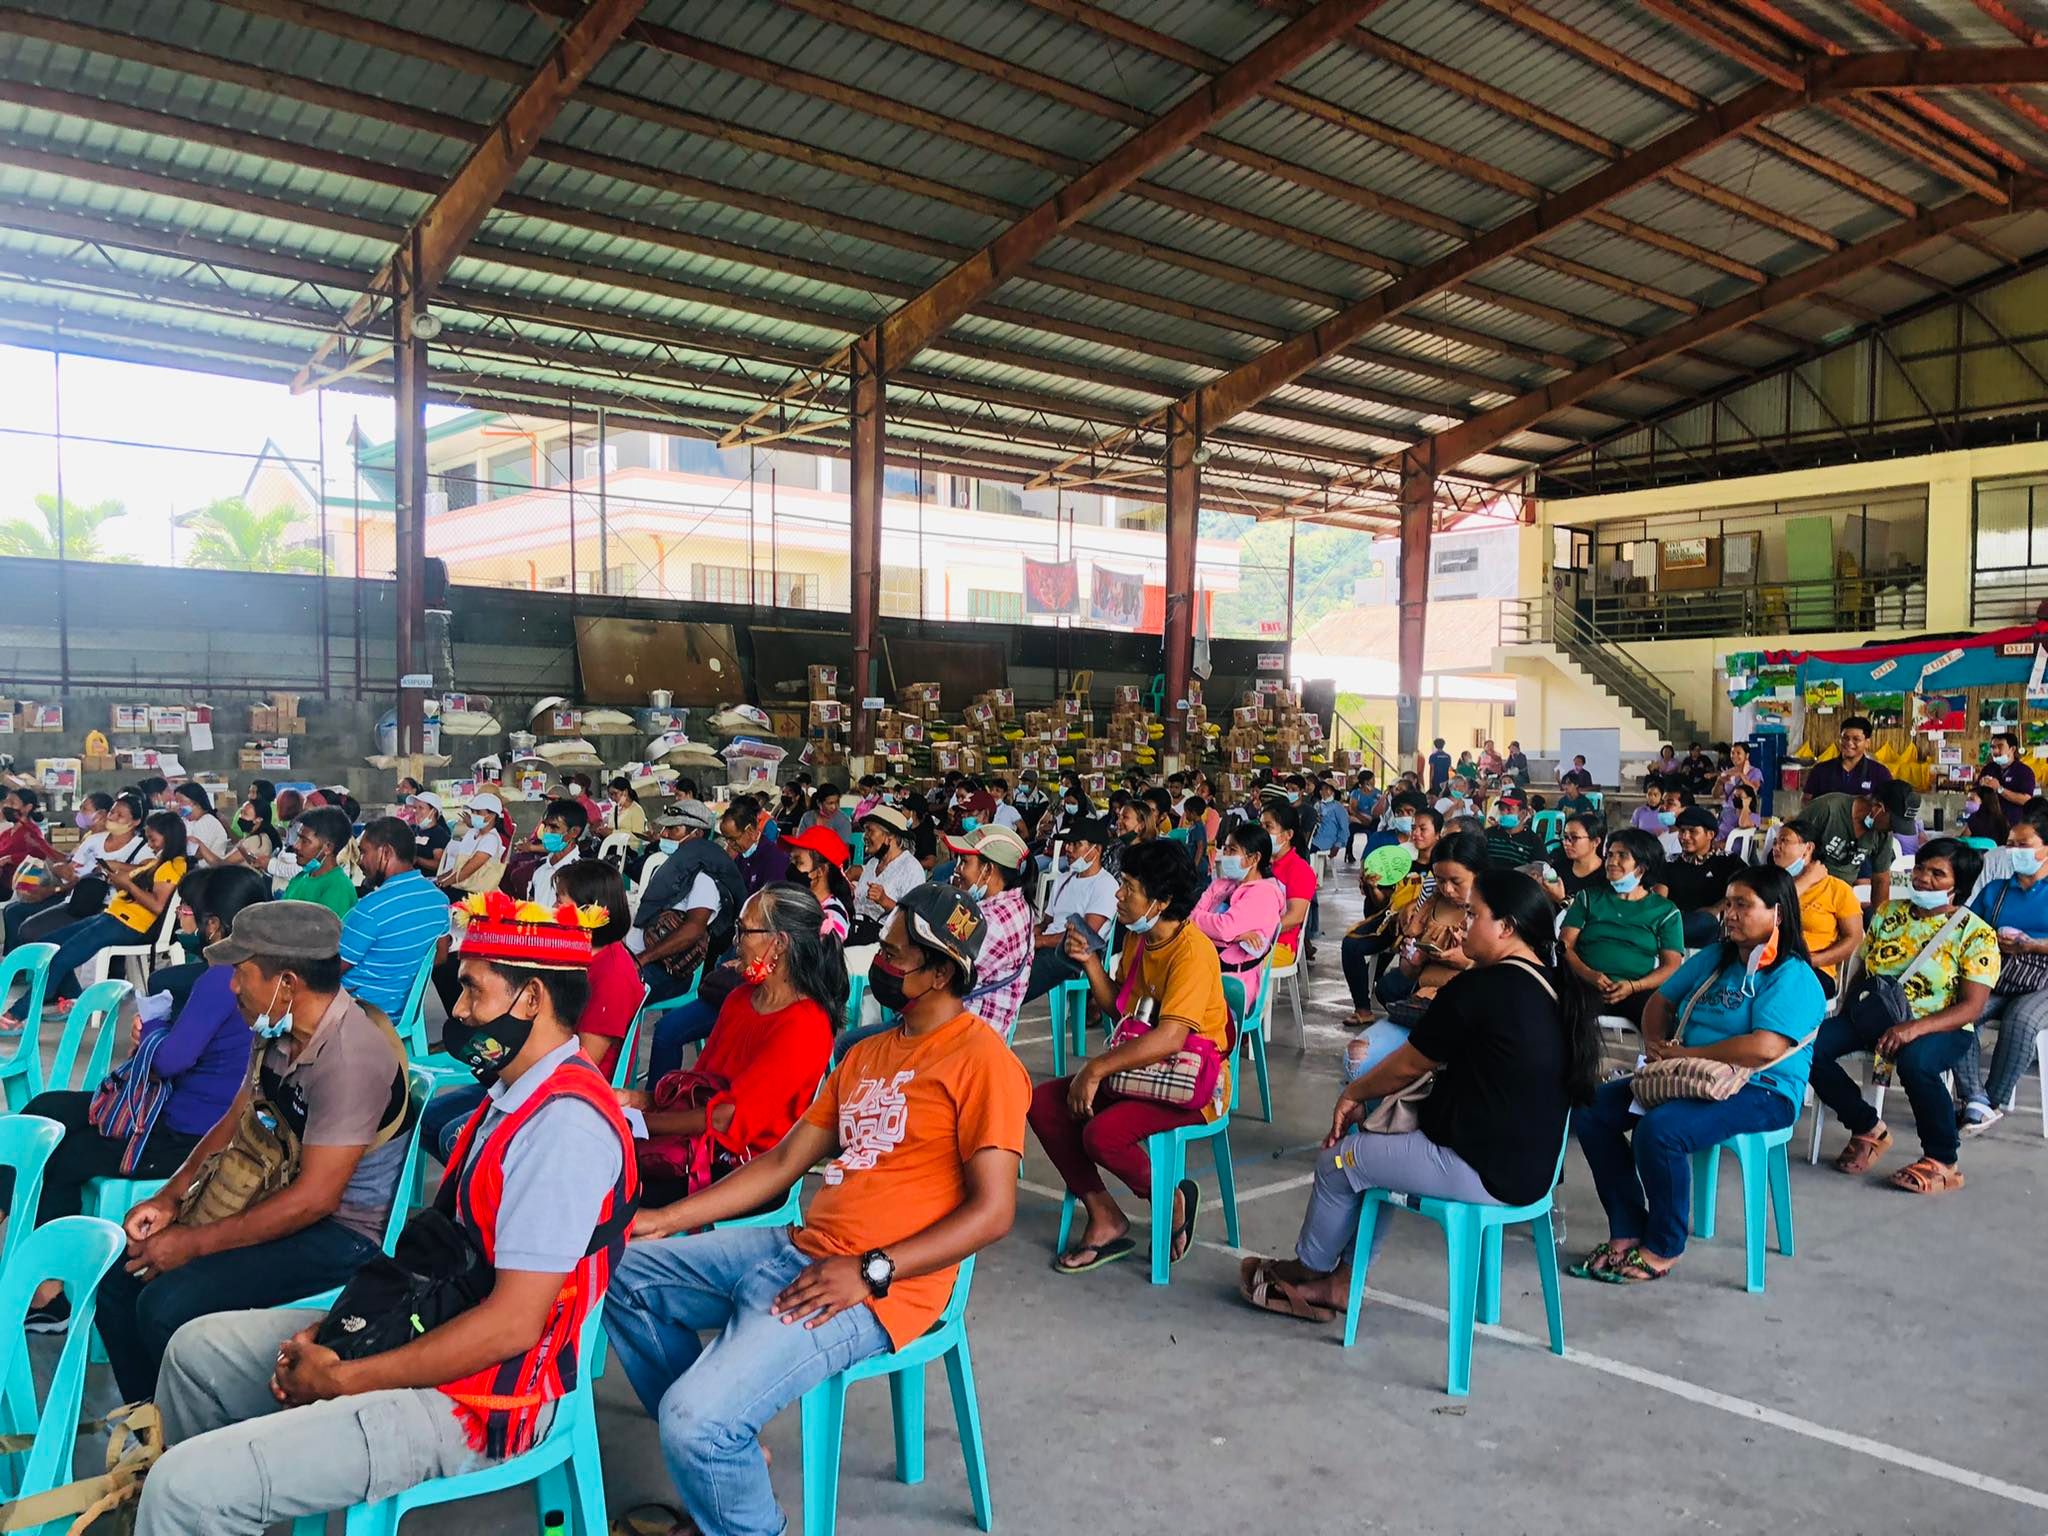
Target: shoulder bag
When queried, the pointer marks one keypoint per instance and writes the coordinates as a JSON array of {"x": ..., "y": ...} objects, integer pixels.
[
  {"x": 1185, "y": 1080},
  {"x": 1699, "y": 1077},
  {"x": 2018, "y": 973},
  {"x": 1399, "y": 1113},
  {"x": 1876, "y": 1003},
  {"x": 262, "y": 1156}
]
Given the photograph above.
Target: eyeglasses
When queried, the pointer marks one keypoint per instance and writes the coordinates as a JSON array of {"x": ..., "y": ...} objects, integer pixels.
[{"x": 753, "y": 930}]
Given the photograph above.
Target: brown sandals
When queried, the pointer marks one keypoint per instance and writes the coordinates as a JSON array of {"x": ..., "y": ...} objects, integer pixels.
[
  {"x": 1926, "y": 1177},
  {"x": 1262, "y": 1283},
  {"x": 1864, "y": 1149}
]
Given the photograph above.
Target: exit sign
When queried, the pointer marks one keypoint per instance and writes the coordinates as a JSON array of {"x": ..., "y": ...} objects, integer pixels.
[{"x": 1272, "y": 627}]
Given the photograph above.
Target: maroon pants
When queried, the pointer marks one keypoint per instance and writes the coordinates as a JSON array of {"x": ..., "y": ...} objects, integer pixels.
[{"x": 1112, "y": 1139}]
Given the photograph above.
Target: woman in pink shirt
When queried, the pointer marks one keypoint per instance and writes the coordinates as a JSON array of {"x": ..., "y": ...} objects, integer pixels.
[
  {"x": 1291, "y": 868},
  {"x": 1240, "y": 912}
]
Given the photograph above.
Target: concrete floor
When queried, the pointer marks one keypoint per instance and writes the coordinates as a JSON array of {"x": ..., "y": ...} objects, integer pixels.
[{"x": 1871, "y": 1389}]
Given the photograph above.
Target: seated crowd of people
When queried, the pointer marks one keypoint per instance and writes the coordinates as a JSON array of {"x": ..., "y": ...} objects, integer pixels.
[{"x": 269, "y": 1098}]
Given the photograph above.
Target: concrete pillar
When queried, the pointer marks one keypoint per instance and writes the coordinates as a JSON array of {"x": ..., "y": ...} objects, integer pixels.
[
  {"x": 1183, "y": 513},
  {"x": 869, "y": 395},
  {"x": 1950, "y": 573},
  {"x": 1418, "y": 526}
]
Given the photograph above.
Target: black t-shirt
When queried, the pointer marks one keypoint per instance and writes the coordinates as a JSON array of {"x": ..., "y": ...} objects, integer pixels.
[
  {"x": 427, "y": 842},
  {"x": 1574, "y": 882},
  {"x": 924, "y": 841},
  {"x": 1499, "y": 1100},
  {"x": 1695, "y": 887}
]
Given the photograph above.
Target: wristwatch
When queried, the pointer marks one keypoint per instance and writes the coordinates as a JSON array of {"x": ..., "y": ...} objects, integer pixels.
[{"x": 877, "y": 1269}]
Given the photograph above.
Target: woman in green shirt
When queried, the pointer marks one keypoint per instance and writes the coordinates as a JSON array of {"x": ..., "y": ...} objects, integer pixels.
[
  {"x": 1625, "y": 940},
  {"x": 323, "y": 832}
]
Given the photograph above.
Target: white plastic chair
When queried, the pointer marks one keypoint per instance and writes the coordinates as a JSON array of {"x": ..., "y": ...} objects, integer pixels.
[
  {"x": 1047, "y": 875},
  {"x": 653, "y": 862},
  {"x": 141, "y": 958},
  {"x": 1742, "y": 844},
  {"x": 616, "y": 843},
  {"x": 1292, "y": 976},
  {"x": 1320, "y": 863}
]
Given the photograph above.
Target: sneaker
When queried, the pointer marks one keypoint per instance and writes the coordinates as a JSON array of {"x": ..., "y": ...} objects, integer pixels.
[
  {"x": 52, "y": 1317},
  {"x": 1979, "y": 1118}
]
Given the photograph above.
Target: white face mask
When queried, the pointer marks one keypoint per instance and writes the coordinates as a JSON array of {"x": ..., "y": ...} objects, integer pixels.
[{"x": 268, "y": 1028}]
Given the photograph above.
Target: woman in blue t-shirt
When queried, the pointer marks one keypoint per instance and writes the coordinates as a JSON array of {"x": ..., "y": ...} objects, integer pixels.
[{"x": 1751, "y": 1001}]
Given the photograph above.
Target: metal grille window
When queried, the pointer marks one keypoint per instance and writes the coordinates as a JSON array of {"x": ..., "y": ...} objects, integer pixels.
[
  {"x": 902, "y": 591},
  {"x": 2009, "y": 545},
  {"x": 1000, "y": 607}
]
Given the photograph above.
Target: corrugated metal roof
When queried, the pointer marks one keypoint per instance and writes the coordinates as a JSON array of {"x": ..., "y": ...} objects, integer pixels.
[{"x": 838, "y": 160}]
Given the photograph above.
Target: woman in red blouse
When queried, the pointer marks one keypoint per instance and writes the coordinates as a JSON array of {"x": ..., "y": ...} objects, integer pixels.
[
  {"x": 767, "y": 1053},
  {"x": 22, "y": 837},
  {"x": 1297, "y": 877}
]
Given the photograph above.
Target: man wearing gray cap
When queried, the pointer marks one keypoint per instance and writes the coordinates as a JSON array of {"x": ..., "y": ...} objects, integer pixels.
[
  {"x": 697, "y": 878},
  {"x": 331, "y": 1079}
]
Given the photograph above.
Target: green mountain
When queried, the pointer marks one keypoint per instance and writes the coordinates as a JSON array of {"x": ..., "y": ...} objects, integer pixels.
[{"x": 1328, "y": 564}]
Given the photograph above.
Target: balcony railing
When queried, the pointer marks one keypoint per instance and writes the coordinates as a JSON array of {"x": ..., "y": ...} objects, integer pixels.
[{"x": 1896, "y": 600}]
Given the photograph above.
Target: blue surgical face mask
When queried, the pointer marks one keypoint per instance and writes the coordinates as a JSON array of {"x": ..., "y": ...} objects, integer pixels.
[
  {"x": 1927, "y": 901},
  {"x": 553, "y": 842},
  {"x": 1668, "y": 818},
  {"x": 1400, "y": 824},
  {"x": 1510, "y": 820},
  {"x": 969, "y": 823},
  {"x": 2026, "y": 861},
  {"x": 1870, "y": 823},
  {"x": 1796, "y": 868},
  {"x": 1070, "y": 807},
  {"x": 1231, "y": 867},
  {"x": 670, "y": 844},
  {"x": 1142, "y": 924},
  {"x": 1627, "y": 882},
  {"x": 268, "y": 1028}
]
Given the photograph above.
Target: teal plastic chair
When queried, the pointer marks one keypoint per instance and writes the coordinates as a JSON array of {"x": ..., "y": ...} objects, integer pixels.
[
  {"x": 77, "y": 1250},
  {"x": 824, "y": 1414},
  {"x": 1548, "y": 826},
  {"x": 21, "y": 1071},
  {"x": 98, "y": 1008},
  {"x": 857, "y": 848},
  {"x": 687, "y": 996},
  {"x": 411, "y": 1023},
  {"x": 1472, "y": 1253},
  {"x": 1155, "y": 695},
  {"x": 564, "y": 1470},
  {"x": 26, "y": 1142},
  {"x": 1981, "y": 844},
  {"x": 856, "y": 998},
  {"x": 788, "y": 1214},
  {"x": 411, "y": 1175},
  {"x": 1766, "y": 1164},
  {"x": 1068, "y": 1005},
  {"x": 1253, "y": 1035},
  {"x": 622, "y": 1064},
  {"x": 1168, "y": 1151}
]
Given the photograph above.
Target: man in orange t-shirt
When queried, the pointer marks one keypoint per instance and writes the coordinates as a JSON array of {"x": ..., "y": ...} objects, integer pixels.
[{"x": 924, "y": 1126}]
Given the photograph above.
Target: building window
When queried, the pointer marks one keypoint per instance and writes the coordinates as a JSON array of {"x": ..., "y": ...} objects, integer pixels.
[
  {"x": 459, "y": 489},
  {"x": 554, "y": 583},
  {"x": 701, "y": 456},
  {"x": 997, "y": 607},
  {"x": 989, "y": 496},
  {"x": 728, "y": 584},
  {"x": 2011, "y": 548},
  {"x": 509, "y": 473},
  {"x": 903, "y": 591},
  {"x": 906, "y": 485}
]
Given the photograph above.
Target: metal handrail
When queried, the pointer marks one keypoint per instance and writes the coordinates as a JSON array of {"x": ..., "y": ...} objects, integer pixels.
[
  {"x": 1548, "y": 621},
  {"x": 1338, "y": 724}
]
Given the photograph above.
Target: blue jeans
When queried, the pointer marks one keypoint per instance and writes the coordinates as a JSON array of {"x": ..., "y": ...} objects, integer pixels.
[
  {"x": 1642, "y": 1164},
  {"x": 711, "y": 1404},
  {"x": 446, "y": 1114},
  {"x": 674, "y": 1029},
  {"x": 136, "y": 1319},
  {"x": 78, "y": 943},
  {"x": 1371, "y": 1046},
  {"x": 1918, "y": 1069}
]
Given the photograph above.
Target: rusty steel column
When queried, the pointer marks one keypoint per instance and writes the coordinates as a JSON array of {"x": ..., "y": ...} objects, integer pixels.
[
  {"x": 864, "y": 368},
  {"x": 1183, "y": 514},
  {"x": 409, "y": 501},
  {"x": 1418, "y": 524}
]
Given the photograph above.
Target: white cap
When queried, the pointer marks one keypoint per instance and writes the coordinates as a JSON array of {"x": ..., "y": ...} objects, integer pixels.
[
  {"x": 487, "y": 802},
  {"x": 428, "y": 798}
]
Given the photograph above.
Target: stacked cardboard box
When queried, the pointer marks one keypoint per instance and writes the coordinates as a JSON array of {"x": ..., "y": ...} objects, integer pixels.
[
  {"x": 280, "y": 717},
  {"x": 826, "y": 719}
]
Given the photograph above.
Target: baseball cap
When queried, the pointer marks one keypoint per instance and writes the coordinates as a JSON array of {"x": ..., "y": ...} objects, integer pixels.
[
  {"x": 942, "y": 917},
  {"x": 282, "y": 930},
  {"x": 1698, "y": 816},
  {"x": 999, "y": 845},
  {"x": 1092, "y": 830},
  {"x": 888, "y": 816},
  {"x": 487, "y": 802},
  {"x": 429, "y": 799},
  {"x": 824, "y": 842},
  {"x": 688, "y": 813}
]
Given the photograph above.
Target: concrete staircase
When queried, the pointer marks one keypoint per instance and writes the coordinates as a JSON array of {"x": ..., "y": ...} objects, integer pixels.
[{"x": 1577, "y": 646}]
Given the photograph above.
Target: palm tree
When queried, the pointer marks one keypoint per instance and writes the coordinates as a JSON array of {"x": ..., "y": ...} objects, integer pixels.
[
  {"x": 79, "y": 527},
  {"x": 233, "y": 536}
]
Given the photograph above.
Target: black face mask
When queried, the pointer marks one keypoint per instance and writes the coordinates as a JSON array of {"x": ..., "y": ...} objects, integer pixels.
[
  {"x": 486, "y": 1048},
  {"x": 885, "y": 986},
  {"x": 11, "y": 814}
]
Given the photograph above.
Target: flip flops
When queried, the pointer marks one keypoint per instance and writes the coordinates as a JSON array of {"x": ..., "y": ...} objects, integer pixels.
[
  {"x": 1105, "y": 1253},
  {"x": 1184, "y": 1234}
]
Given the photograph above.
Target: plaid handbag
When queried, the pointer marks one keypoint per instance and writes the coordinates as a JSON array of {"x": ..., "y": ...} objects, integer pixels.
[
  {"x": 2018, "y": 973},
  {"x": 1697, "y": 1077},
  {"x": 1185, "y": 1080}
]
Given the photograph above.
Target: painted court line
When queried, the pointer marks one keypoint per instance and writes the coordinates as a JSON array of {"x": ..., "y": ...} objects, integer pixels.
[{"x": 1692, "y": 1392}]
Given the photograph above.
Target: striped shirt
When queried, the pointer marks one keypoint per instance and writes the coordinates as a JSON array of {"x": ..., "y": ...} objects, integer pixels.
[{"x": 385, "y": 936}]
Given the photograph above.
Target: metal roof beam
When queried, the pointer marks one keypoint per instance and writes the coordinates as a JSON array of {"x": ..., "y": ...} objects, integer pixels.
[
  {"x": 1483, "y": 432},
  {"x": 438, "y": 235},
  {"x": 907, "y": 330}
]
